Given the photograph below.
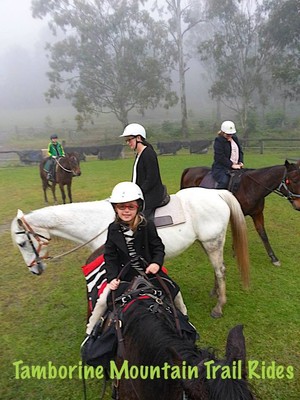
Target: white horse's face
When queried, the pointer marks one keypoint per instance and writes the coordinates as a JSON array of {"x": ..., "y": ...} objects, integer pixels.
[{"x": 30, "y": 247}]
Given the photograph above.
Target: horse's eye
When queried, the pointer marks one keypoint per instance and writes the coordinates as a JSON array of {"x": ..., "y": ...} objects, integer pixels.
[{"x": 22, "y": 244}]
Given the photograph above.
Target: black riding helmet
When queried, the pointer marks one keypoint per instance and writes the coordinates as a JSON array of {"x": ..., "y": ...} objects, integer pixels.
[{"x": 54, "y": 136}]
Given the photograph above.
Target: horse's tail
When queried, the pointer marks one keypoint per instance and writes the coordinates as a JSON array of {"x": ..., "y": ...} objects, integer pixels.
[
  {"x": 182, "y": 185},
  {"x": 239, "y": 235}
]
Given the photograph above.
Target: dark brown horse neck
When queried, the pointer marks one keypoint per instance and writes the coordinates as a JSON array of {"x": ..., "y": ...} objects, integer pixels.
[
  {"x": 150, "y": 341},
  {"x": 256, "y": 184}
]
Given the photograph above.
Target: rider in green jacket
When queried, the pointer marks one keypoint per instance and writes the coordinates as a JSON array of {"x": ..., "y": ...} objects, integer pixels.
[{"x": 55, "y": 150}]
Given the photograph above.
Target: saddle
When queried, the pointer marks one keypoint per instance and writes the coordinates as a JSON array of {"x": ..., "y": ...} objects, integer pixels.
[
  {"x": 208, "y": 181},
  {"x": 235, "y": 180},
  {"x": 106, "y": 340}
]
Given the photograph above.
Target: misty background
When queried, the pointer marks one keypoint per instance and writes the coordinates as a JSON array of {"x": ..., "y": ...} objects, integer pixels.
[
  {"x": 23, "y": 67},
  {"x": 23, "y": 80},
  {"x": 25, "y": 113}
]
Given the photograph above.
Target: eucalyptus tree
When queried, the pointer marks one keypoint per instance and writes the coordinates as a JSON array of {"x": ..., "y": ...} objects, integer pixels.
[
  {"x": 183, "y": 15},
  {"x": 235, "y": 50},
  {"x": 283, "y": 33},
  {"x": 109, "y": 57}
]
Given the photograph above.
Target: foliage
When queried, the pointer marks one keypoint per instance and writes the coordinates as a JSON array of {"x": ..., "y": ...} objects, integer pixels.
[
  {"x": 247, "y": 47},
  {"x": 171, "y": 129},
  {"x": 275, "y": 119},
  {"x": 233, "y": 49},
  {"x": 114, "y": 57},
  {"x": 283, "y": 30},
  {"x": 182, "y": 18},
  {"x": 43, "y": 318}
]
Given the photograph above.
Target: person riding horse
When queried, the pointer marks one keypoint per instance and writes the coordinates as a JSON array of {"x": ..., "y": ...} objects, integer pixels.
[
  {"x": 228, "y": 154},
  {"x": 55, "y": 150}
]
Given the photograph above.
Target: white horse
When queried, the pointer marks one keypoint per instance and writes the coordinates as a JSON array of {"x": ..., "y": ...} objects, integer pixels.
[{"x": 206, "y": 212}]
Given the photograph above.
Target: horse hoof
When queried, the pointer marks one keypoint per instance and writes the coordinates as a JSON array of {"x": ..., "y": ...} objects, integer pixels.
[
  {"x": 276, "y": 263},
  {"x": 216, "y": 314}
]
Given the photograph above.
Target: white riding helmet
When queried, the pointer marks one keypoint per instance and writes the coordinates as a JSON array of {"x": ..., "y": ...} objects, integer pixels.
[
  {"x": 134, "y": 130},
  {"x": 124, "y": 192},
  {"x": 228, "y": 127}
]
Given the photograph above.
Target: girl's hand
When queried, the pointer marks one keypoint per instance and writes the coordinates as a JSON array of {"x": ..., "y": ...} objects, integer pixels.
[
  {"x": 152, "y": 268},
  {"x": 114, "y": 284}
]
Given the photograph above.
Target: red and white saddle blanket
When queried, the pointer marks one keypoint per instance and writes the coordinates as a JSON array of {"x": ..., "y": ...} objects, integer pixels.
[{"x": 96, "y": 281}]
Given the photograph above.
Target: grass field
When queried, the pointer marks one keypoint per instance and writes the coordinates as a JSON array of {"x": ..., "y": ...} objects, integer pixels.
[{"x": 43, "y": 318}]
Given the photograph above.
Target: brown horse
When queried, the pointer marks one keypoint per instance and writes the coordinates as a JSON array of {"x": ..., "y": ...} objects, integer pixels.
[
  {"x": 66, "y": 168},
  {"x": 254, "y": 186}
]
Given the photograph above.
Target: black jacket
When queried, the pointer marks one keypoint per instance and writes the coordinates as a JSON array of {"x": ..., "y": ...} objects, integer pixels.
[
  {"x": 148, "y": 178},
  {"x": 222, "y": 153},
  {"x": 147, "y": 245}
]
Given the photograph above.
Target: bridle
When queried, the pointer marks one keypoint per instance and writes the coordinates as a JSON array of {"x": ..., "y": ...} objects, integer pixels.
[
  {"x": 285, "y": 181},
  {"x": 41, "y": 240},
  {"x": 63, "y": 168},
  {"x": 44, "y": 241},
  {"x": 284, "y": 186}
]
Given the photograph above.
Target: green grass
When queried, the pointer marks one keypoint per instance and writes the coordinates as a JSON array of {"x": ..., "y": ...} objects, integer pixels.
[{"x": 43, "y": 318}]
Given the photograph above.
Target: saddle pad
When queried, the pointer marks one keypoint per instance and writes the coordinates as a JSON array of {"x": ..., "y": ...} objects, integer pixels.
[
  {"x": 208, "y": 182},
  {"x": 171, "y": 214}
]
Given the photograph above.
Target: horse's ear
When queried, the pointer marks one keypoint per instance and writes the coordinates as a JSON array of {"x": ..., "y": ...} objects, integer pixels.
[
  {"x": 20, "y": 215},
  {"x": 236, "y": 347},
  {"x": 286, "y": 164}
]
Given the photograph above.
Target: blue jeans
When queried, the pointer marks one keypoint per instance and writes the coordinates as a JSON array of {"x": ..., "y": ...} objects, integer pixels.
[{"x": 223, "y": 181}]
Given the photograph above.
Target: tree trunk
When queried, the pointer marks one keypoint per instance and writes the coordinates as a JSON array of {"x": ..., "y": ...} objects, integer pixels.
[{"x": 184, "y": 117}]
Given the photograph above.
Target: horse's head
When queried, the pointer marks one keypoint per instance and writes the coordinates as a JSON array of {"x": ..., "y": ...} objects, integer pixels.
[
  {"x": 31, "y": 242},
  {"x": 222, "y": 379},
  {"x": 74, "y": 163},
  {"x": 292, "y": 184}
]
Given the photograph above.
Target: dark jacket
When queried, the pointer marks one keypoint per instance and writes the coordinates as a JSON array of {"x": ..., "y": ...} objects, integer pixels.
[
  {"x": 147, "y": 245},
  {"x": 148, "y": 178},
  {"x": 222, "y": 153}
]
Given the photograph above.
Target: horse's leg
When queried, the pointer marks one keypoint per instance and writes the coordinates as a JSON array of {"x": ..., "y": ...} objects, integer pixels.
[
  {"x": 258, "y": 220},
  {"x": 214, "y": 251},
  {"x": 69, "y": 191},
  {"x": 63, "y": 194},
  {"x": 53, "y": 192},
  {"x": 45, "y": 186}
]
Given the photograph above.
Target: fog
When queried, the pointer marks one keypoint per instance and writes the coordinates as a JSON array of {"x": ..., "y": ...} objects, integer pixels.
[
  {"x": 23, "y": 80},
  {"x": 23, "y": 67}
]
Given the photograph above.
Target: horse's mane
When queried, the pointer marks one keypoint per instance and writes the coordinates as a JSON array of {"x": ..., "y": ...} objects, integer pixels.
[
  {"x": 158, "y": 333},
  {"x": 154, "y": 339}
]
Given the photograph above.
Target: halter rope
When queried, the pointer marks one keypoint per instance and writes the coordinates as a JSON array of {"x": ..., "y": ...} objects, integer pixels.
[
  {"x": 29, "y": 231},
  {"x": 58, "y": 163},
  {"x": 283, "y": 184}
]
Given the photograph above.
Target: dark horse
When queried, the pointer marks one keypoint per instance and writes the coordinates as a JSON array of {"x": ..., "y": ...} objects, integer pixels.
[
  {"x": 255, "y": 185},
  {"x": 66, "y": 168},
  {"x": 151, "y": 342}
]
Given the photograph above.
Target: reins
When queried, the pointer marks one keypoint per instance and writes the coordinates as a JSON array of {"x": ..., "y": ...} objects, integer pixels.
[
  {"x": 44, "y": 241},
  {"x": 283, "y": 184},
  {"x": 118, "y": 322},
  {"x": 66, "y": 170},
  {"x": 77, "y": 247}
]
